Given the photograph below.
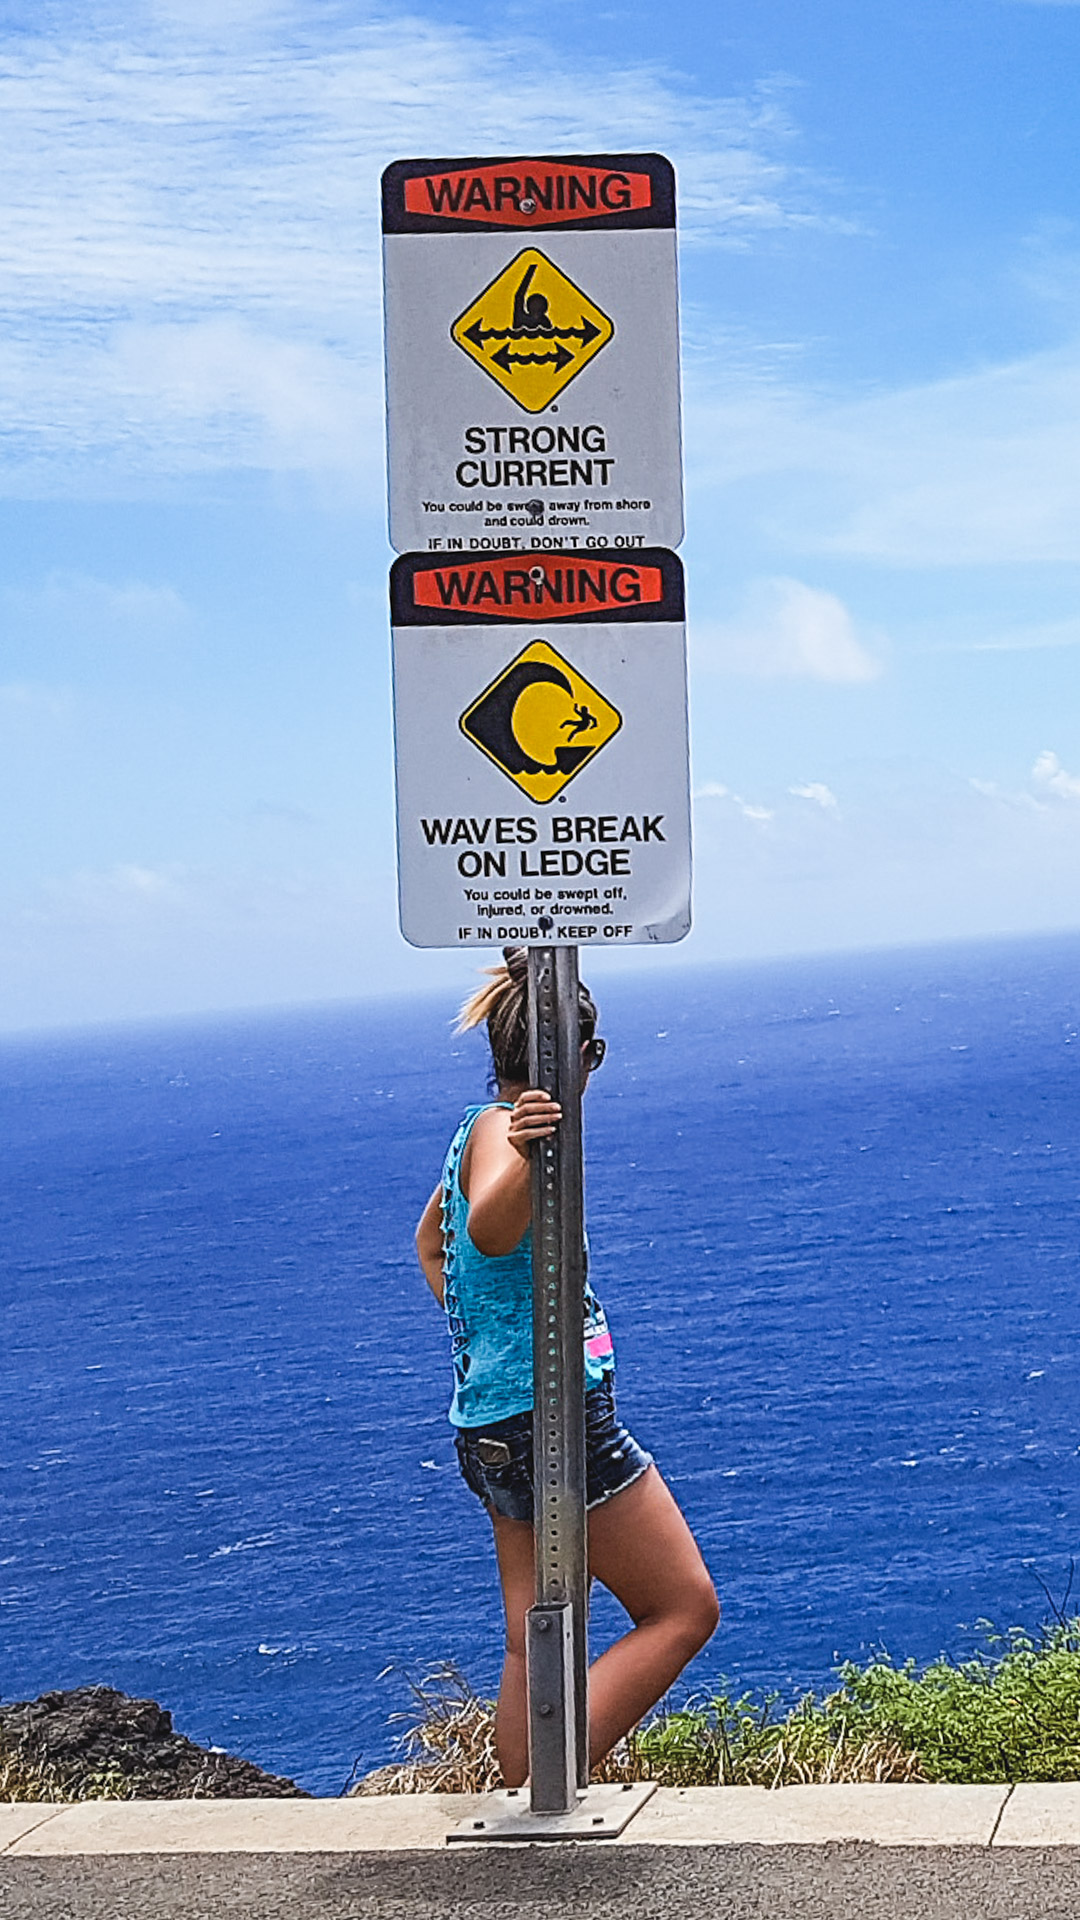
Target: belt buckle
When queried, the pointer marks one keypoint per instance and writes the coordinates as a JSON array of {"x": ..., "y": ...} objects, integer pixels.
[{"x": 493, "y": 1453}]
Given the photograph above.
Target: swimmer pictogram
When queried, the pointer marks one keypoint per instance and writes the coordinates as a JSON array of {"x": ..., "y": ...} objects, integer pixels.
[
  {"x": 532, "y": 330},
  {"x": 540, "y": 721}
]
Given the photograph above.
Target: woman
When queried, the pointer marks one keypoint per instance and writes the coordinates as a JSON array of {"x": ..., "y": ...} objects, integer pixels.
[{"x": 474, "y": 1247}]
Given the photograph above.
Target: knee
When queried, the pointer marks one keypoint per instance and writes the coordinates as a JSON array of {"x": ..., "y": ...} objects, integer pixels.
[
  {"x": 699, "y": 1611},
  {"x": 515, "y": 1639},
  {"x": 689, "y": 1614}
]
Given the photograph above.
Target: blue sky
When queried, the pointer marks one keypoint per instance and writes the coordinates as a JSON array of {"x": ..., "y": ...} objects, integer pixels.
[{"x": 881, "y": 312}]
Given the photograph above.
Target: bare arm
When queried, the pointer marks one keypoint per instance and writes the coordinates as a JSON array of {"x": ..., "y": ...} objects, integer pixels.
[
  {"x": 429, "y": 1244},
  {"x": 496, "y": 1175}
]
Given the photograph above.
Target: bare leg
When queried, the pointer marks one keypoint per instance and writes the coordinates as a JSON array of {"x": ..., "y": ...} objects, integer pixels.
[
  {"x": 642, "y": 1549},
  {"x": 514, "y": 1547}
]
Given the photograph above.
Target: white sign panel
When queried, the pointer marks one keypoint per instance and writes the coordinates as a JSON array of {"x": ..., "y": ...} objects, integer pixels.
[
  {"x": 532, "y": 354},
  {"x": 542, "y": 756}
]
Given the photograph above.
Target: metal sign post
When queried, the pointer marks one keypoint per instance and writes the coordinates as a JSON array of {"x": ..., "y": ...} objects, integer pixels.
[
  {"x": 557, "y": 1629},
  {"x": 535, "y": 479}
]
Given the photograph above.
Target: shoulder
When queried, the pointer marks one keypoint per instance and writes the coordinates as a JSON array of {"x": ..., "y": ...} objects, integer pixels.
[
  {"x": 487, "y": 1133},
  {"x": 490, "y": 1126}
]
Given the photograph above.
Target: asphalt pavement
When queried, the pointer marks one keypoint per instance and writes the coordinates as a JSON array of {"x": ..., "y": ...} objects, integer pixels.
[{"x": 854, "y": 1881}]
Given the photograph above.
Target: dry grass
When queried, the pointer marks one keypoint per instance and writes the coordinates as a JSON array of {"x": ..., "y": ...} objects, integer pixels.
[
  {"x": 448, "y": 1746},
  {"x": 23, "y": 1780},
  {"x": 448, "y": 1741},
  {"x": 20, "y": 1781}
]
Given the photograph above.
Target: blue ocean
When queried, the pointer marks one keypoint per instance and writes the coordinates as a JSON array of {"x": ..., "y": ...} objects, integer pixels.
[{"x": 834, "y": 1214}]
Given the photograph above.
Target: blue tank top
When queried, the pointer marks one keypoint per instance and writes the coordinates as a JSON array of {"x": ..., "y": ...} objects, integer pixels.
[{"x": 488, "y": 1305}]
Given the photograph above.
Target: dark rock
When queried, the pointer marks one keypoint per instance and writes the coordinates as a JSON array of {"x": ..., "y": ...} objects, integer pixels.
[{"x": 87, "y": 1732}]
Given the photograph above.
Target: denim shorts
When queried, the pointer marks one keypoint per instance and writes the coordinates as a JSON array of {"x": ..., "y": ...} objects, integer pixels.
[{"x": 497, "y": 1461}]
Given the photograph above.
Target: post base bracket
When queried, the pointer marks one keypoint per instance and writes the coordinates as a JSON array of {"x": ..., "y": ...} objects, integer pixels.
[{"x": 601, "y": 1813}]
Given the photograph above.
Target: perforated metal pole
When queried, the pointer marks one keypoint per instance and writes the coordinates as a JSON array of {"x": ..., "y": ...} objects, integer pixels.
[{"x": 557, "y": 1627}]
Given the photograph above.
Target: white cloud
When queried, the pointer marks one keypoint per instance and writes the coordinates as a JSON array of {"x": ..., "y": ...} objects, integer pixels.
[
  {"x": 991, "y": 790},
  {"x": 821, "y": 795},
  {"x": 22, "y": 699},
  {"x": 814, "y": 791},
  {"x": 748, "y": 809},
  {"x": 788, "y": 630},
  {"x": 983, "y": 467},
  {"x": 1049, "y": 633},
  {"x": 216, "y": 386},
  {"x": 93, "y": 894},
  {"x": 188, "y": 233},
  {"x": 916, "y": 854},
  {"x": 74, "y": 597},
  {"x": 142, "y": 938},
  {"x": 1049, "y": 775}
]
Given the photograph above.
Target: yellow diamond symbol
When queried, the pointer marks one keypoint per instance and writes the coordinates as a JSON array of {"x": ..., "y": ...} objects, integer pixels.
[
  {"x": 532, "y": 330},
  {"x": 540, "y": 721}
]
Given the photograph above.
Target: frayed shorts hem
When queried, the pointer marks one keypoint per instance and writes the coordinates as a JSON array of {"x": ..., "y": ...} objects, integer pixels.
[{"x": 602, "y": 1499}]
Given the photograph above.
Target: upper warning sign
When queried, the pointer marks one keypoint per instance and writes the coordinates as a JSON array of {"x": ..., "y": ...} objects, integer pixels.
[
  {"x": 532, "y": 354},
  {"x": 596, "y": 190},
  {"x": 532, "y": 330}
]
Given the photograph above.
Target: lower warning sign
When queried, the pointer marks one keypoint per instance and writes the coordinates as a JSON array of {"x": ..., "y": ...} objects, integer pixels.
[{"x": 542, "y": 779}]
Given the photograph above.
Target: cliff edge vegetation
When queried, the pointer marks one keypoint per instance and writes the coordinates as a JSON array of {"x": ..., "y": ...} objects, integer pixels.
[{"x": 1009, "y": 1713}]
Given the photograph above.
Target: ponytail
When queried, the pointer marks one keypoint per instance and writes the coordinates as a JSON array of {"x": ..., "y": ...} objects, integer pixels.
[{"x": 504, "y": 1004}]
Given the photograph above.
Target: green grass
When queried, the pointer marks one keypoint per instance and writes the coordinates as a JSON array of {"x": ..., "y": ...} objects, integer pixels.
[{"x": 1011, "y": 1712}]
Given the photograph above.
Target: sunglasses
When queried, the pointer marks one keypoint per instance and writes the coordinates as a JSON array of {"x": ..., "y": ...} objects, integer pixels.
[{"x": 592, "y": 1054}]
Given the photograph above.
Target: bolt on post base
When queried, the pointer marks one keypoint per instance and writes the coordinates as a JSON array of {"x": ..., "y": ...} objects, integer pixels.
[{"x": 599, "y": 1813}]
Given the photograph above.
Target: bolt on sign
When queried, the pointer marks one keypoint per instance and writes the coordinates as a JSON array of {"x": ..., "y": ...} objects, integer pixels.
[
  {"x": 542, "y": 757},
  {"x": 532, "y": 356}
]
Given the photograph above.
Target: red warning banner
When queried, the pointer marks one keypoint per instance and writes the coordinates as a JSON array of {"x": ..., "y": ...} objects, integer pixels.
[
  {"x": 609, "y": 190},
  {"x": 535, "y": 196},
  {"x": 536, "y": 589}
]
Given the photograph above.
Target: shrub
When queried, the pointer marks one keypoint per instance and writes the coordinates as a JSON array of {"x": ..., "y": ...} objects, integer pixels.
[{"x": 1012, "y": 1713}]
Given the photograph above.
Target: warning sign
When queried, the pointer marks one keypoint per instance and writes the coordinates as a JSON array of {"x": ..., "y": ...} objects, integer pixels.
[
  {"x": 532, "y": 330},
  {"x": 543, "y": 774},
  {"x": 532, "y": 354},
  {"x": 540, "y": 721}
]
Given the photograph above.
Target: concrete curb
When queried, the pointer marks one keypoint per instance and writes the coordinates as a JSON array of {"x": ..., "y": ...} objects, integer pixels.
[{"x": 1038, "y": 1815}]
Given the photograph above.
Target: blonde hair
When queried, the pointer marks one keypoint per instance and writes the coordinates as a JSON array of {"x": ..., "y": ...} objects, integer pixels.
[{"x": 503, "y": 1003}]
